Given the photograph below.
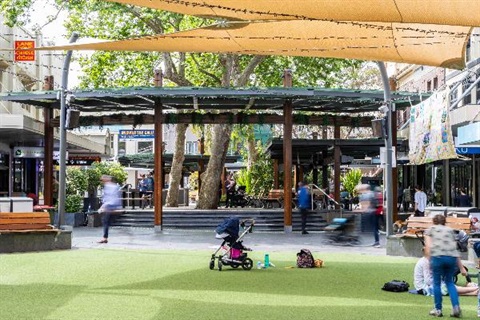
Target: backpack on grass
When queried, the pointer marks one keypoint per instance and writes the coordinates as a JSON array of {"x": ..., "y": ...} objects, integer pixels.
[
  {"x": 305, "y": 259},
  {"x": 396, "y": 286}
]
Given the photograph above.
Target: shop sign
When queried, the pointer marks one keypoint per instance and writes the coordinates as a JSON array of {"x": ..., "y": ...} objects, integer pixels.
[
  {"x": 28, "y": 152},
  {"x": 137, "y": 135},
  {"x": 24, "y": 50},
  {"x": 81, "y": 160},
  {"x": 33, "y": 152}
]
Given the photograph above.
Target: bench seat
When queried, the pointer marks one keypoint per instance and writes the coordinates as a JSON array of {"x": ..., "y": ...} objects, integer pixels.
[
  {"x": 25, "y": 222},
  {"x": 31, "y": 231},
  {"x": 416, "y": 226}
]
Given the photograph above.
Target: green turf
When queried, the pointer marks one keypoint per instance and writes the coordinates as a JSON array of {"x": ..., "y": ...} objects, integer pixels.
[{"x": 120, "y": 284}]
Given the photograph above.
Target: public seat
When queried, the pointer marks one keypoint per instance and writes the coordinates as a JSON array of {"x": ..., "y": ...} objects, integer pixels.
[
  {"x": 416, "y": 226},
  {"x": 31, "y": 231},
  {"x": 274, "y": 199},
  {"x": 24, "y": 222}
]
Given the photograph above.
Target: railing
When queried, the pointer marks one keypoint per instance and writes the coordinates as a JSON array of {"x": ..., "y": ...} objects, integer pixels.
[{"x": 314, "y": 186}]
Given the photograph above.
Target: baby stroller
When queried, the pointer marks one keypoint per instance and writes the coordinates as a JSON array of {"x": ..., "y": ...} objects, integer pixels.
[
  {"x": 239, "y": 197},
  {"x": 342, "y": 231},
  {"x": 231, "y": 251}
]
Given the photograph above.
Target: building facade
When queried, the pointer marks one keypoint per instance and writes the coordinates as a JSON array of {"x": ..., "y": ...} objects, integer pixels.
[
  {"x": 22, "y": 127},
  {"x": 447, "y": 177}
]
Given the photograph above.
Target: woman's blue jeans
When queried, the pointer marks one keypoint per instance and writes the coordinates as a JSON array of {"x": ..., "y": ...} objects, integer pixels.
[
  {"x": 106, "y": 223},
  {"x": 444, "y": 267}
]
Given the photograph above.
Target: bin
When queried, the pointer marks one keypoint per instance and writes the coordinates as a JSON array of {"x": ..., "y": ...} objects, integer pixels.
[
  {"x": 463, "y": 212},
  {"x": 433, "y": 211},
  {"x": 21, "y": 204},
  {"x": 5, "y": 204}
]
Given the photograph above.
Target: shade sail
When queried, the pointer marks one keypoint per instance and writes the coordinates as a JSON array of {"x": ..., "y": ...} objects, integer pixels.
[
  {"x": 434, "y": 45},
  {"x": 445, "y": 12}
]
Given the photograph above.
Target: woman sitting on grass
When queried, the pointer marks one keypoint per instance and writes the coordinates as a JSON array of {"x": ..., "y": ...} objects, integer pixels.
[{"x": 423, "y": 281}]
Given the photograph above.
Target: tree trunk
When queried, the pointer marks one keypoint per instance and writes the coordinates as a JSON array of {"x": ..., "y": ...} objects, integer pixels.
[
  {"x": 252, "y": 150},
  {"x": 177, "y": 166},
  {"x": 209, "y": 193}
]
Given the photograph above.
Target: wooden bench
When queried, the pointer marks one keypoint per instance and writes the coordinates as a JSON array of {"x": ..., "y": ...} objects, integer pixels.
[
  {"x": 410, "y": 243},
  {"x": 416, "y": 226},
  {"x": 25, "y": 222},
  {"x": 274, "y": 199},
  {"x": 31, "y": 231}
]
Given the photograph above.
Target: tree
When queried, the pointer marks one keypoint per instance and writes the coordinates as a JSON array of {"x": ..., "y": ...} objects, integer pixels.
[{"x": 108, "y": 20}]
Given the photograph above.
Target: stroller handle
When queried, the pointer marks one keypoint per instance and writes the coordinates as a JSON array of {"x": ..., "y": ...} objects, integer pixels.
[{"x": 248, "y": 224}]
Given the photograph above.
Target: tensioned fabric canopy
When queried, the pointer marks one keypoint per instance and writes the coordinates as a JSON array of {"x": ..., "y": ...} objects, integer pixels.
[
  {"x": 445, "y": 12},
  {"x": 408, "y": 31}
]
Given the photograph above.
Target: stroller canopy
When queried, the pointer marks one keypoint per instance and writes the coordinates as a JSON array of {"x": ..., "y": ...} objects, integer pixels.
[{"x": 229, "y": 226}]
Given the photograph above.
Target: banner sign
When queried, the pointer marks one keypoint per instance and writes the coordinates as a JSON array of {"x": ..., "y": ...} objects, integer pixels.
[
  {"x": 21, "y": 50},
  {"x": 137, "y": 135},
  {"x": 431, "y": 136},
  {"x": 467, "y": 150}
]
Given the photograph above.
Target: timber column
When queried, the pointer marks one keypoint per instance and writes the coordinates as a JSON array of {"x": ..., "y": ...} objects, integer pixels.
[
  {"x": 287, "y": 155},
  {"x": 158, "y": 150},
  {"x": 337, "y": 160}
]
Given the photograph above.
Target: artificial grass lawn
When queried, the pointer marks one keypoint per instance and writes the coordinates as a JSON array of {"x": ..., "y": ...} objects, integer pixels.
[{"x": 121, "y": 284}]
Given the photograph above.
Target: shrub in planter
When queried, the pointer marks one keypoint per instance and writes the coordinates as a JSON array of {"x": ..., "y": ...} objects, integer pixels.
[{"x": 73, "y": 211}]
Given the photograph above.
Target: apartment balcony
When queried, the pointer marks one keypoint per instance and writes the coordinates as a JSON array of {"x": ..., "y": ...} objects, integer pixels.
[{"x": 464, "y": 115}]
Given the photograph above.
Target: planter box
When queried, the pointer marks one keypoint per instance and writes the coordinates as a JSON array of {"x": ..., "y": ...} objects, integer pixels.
[
  {"x": 72, "y": 219},
  {"x": 94, "y": 220}
]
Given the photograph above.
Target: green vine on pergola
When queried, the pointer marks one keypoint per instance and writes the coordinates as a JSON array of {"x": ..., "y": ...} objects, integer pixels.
[{"x": 299, "y": 118}]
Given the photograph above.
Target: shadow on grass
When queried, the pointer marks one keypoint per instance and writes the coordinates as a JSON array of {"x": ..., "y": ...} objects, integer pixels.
[
  {"x": 352, "y": 280},
  {"x": 37, "y": 299}
]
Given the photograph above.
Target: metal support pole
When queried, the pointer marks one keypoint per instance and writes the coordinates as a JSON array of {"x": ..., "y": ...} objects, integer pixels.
[
  {"x": 388, "y": 146},
  {"x": 63, "y": 135}
]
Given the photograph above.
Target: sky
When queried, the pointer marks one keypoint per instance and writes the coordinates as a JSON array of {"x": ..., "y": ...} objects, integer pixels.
[{"x": 54, "y": 32}]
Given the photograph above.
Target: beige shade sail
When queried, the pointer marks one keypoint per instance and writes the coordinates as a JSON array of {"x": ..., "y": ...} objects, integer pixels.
[
  {"x": 434, "y": 45},
  {"x": 444, "y": 12}
]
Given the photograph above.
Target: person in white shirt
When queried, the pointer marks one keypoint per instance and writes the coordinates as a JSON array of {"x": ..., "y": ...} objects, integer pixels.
[
  {"x": 423, "y": 281},
  {"x": 420, "y": 202}
]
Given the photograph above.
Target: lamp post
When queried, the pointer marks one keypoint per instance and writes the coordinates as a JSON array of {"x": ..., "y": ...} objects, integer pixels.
[
  {"x": 387, "y": 109},
  {"x": 63, "y": 134}
]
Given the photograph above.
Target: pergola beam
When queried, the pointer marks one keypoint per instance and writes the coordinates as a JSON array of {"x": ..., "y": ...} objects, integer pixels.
[{"x": 212, "y": 118}]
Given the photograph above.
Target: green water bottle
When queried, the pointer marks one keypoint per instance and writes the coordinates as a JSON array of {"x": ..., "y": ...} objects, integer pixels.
[{"x": 266, "y": 261}]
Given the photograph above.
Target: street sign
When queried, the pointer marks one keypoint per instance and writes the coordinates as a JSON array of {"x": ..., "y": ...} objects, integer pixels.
[
  {"x": 137, "y": 135},
  {"x": 24, "y": 50}
]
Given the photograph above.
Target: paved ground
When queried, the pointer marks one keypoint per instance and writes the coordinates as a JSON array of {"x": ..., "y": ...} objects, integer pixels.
[{"x": 147, "y": 238}]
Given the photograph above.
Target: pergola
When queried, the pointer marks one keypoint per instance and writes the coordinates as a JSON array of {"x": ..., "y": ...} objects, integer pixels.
[
  {"x": 409, "y": 31},
  {"x": 138, "y": 106}
]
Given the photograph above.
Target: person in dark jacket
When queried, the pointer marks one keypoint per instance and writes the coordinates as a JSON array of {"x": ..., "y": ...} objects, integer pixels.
[{"x": 304, "y": 204}]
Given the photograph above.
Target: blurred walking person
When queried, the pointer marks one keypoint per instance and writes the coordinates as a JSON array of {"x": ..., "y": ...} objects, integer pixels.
[{"x": 110, "y": 204}]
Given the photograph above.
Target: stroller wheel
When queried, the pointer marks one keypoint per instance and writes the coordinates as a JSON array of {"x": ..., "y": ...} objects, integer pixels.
[
  {"x": 247, "y": 264},
  {"x": 220, "y": 264},
  {"x": 212, "y": 264}
]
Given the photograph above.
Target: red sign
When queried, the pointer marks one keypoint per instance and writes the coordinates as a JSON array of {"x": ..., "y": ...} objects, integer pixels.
[{"x": 23, "y": 50}]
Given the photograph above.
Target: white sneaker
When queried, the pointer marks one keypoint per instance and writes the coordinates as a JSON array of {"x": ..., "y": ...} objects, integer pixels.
[{"x": 436, "y": 313}]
